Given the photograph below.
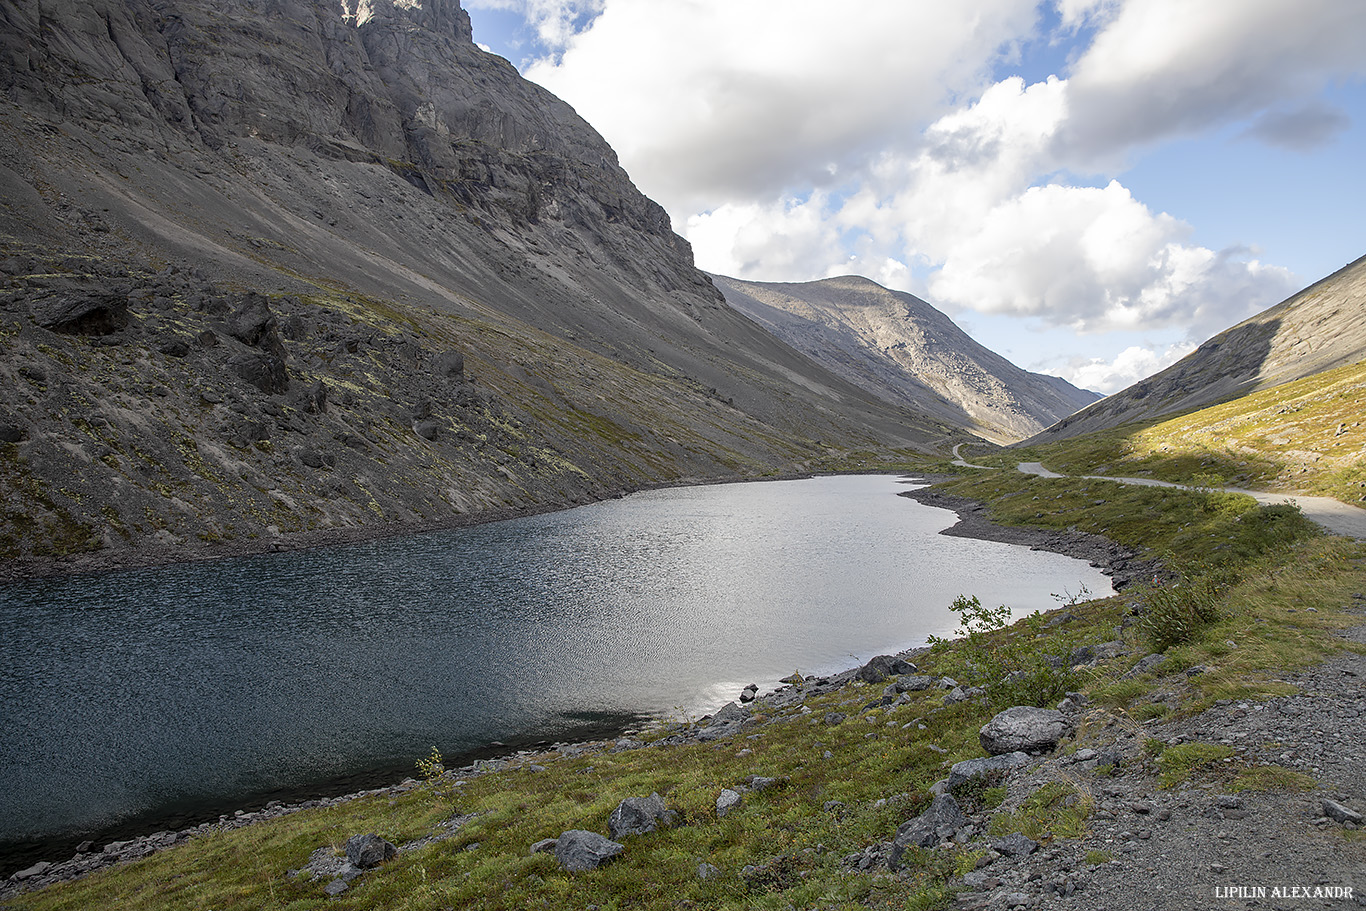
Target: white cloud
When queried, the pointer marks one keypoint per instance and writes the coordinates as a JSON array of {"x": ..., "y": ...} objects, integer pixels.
[
  {"x": 1164, "y": 68},
  {"x": 790, "y": 240},
  {"x": 792, "y": 139},
  {"x": 556, "y": 22},
  {"x": 714, "y": 101},
  {"x": 1128, "y": 367},
  {"x": 1096, "y": 259}
]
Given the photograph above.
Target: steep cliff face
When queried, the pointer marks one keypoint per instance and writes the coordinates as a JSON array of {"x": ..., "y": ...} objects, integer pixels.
[
  {"x": 1321, "y": 327},
  {"x": 904, "y": 350},
  {"x": 244, "y": 242}
]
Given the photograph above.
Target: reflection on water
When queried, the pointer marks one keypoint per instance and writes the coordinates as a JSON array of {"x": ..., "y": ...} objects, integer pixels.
[{"x": 199, "y": 685}]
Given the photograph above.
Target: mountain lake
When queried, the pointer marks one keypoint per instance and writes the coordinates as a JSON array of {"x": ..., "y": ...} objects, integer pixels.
[{"x": 158, "y": 698}]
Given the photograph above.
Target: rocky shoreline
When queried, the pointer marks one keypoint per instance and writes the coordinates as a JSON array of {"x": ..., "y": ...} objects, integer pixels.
[
  {"x": 1146, "y": 845},
  {"x": 1122, "y": 564},
  {"x": 152, "y": 555}
]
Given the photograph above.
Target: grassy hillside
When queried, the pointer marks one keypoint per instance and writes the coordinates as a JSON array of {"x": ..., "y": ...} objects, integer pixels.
[
  {"x": 1305, "y": 436},
  {"x": 843, "y": 783}
]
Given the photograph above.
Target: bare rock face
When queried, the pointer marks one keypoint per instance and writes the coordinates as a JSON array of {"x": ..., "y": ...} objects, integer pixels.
[
  {"x": 899, "y": 347},
  {"x": 240, "y": 239}
]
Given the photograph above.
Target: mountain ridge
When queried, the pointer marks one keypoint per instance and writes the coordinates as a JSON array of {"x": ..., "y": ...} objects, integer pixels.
[
  {"x": 905, "y": 350},
  {"x": 274, "y": 268},
  {"x": 1314, "y": 330}
]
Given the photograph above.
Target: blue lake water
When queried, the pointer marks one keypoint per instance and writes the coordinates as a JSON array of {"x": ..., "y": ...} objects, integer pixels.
[{"x": 162, "y": 694}]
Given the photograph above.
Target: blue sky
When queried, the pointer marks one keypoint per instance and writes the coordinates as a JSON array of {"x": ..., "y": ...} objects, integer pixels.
[{"x": 1090, "y": 187}]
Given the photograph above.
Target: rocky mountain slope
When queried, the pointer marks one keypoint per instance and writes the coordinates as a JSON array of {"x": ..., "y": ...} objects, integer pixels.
[
  {"x": 904, "y": 350},
  {"x": 1321, "y": 327},
  {"x": 274, "y": 267}
]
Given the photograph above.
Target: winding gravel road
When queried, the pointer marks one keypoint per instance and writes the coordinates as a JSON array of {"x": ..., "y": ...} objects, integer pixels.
[{"x": 1336, "y": 516}]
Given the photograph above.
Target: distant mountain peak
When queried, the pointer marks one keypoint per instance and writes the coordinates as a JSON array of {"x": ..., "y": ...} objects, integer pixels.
[{"x": 904, "y": 350}]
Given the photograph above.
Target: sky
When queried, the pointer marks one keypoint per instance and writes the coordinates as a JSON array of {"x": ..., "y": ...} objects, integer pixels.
[{"x": 1088, "y": 187}]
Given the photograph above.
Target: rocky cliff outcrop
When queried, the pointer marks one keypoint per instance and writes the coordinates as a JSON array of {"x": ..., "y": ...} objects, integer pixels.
[
  {"x": 244, "y": 245},
  {"x": 1321, "y": 327},
  {"x": 899, "y": 347}
]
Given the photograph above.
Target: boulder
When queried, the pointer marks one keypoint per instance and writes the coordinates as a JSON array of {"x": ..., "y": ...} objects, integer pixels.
[
  {"x": 730, "y": 712},
  {"x": 1016, "y": 844},
  {"x": 639, "y": 815},
  {"x": 939, "y": 823},
  {"x": 578, "y": 850},
  {"x": 366, "y": 851},
  {"x": 252, "y": 323},
  {"x": 82, "y": 311},
  {"x": 37, "y": 869},
  {"x": 881, "y": 667},
  {"x": 962, "y": 694},
  {"x": 1000, "y": 766},
  {"x": 263, "y": 370},
  {"x": 1336, "y": 811},
  {"x": 914, "y": 683},
  {"x": 726, "y": 801},
  {"x": 449, "y": 364},
  {"x": 1026, "y": 728}
]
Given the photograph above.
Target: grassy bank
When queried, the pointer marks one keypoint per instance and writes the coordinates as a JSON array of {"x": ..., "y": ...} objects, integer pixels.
[
  {"x": 1249, "y": 576},
  {"x": 1306, "y": 436}
]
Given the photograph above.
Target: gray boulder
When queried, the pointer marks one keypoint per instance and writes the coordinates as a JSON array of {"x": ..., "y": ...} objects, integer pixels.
[
  {"x": 366, "y": 851},
  {"x": 962, "y": 694},
  {"x": 1336, "y": 811},
  {"x": 881, "y": 667},
  {"x": 939, "y": 823},
  {"x": 1001, "y": 765},
  {"x": 726, "y": 801},
  {"x": 263, "y": 370},
  {"x": 578, "y": 850},
  {"x": 640, "y": 815},
  {"x": 449, "y": 364},
  {"x": 1024, "y": 727},
  {"x": 82, "y": 311},
  {"x": 1016, "y": 844}
]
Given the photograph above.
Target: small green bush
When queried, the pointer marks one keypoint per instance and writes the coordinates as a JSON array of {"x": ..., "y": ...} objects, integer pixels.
[
  {"x": 1010, "y": 664},
  {"x": 1175, "y": 614}
]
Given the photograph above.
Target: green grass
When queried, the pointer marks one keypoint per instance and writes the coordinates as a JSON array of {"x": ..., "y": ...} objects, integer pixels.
[
  {"x": 1177, "y": 764},
  {"x": 1307, "y": 435}
]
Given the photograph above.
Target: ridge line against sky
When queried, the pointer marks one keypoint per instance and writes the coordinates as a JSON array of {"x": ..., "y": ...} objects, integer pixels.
[{"x": 1089, "y": 187}]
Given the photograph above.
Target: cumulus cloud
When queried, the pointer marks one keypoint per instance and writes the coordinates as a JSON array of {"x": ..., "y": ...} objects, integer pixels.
[
  {"x": 1164, "y": 68},
  {"x": 556, "y": 22},
  {"x": 788, "y": 240},
  {"x": 711, "y": 101},
  {"x": 1096, "y": 259},
  {"x": 1128, "y": 367},
  {"x": 793, "y": 139}
]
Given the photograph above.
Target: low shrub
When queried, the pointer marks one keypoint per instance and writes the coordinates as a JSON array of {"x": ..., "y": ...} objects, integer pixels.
[{"x": 1175, "y": 614}]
